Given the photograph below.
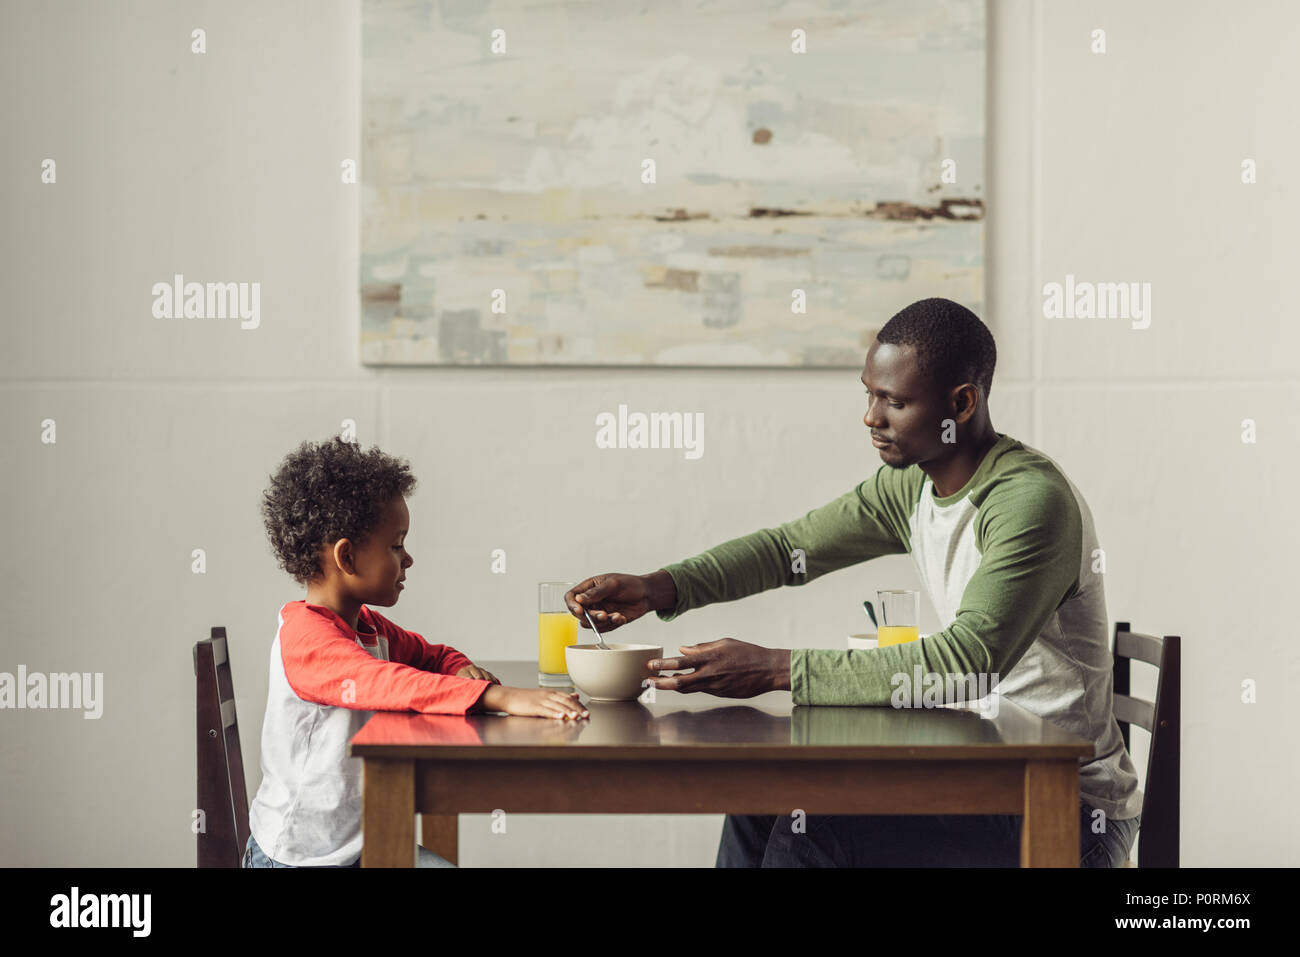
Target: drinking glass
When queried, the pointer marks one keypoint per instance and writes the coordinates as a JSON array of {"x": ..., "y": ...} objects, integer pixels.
[
  {"x": 900, "y": 616},
  {"x": 556, "y": 630}
]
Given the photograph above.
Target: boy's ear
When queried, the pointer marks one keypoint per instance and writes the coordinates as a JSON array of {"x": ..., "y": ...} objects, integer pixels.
[{"x": 344, "y": 556}]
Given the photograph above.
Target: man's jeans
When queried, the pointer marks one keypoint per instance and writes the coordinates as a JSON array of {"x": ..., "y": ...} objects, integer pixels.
[
  {"x": 925, "y": 840},
  {"x": 255, "y": 857}
]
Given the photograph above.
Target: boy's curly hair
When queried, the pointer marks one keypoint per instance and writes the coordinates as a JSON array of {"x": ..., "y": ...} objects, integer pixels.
[{"x": 324, "y": 491}]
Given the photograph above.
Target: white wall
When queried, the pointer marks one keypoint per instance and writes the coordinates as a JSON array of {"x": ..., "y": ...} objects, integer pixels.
[{"x": 1122, "y": 166}]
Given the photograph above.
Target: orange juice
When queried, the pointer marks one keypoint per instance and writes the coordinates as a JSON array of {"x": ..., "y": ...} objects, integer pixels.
[
  {"x": 897, "y": 634},
  {"x": 556, "y": 630}
]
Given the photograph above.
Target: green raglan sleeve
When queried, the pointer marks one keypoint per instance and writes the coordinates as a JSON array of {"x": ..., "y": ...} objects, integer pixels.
[
  {"x": 868, "y": 521},
  {"x": 1031, "y": 541}
]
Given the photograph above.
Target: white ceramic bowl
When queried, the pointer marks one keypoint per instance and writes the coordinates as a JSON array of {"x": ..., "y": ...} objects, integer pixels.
[{"x": 613, "y": 675}]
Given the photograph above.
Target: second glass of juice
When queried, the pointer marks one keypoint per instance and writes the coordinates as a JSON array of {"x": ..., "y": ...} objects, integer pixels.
[
  {"x": 900, "y": 616},
  {"x": 556, "y": 630}
]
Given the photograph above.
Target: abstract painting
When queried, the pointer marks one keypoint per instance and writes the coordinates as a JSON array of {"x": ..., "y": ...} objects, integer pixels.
[{"x": 665, "y": 184}]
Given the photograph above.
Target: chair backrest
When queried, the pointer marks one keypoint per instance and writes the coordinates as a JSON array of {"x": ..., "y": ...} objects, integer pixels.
[
  {"x": 221, "y": 793},
  {"x": 1158, "y": 843}
]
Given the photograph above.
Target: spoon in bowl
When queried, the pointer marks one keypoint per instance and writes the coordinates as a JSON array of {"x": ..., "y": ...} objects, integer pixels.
[{"x": 600, "y": 642}]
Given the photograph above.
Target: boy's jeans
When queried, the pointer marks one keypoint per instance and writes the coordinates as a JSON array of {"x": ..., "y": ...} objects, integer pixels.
[
  {"x": 254, "y": 857},
  {"x": 924, "y": 840}
]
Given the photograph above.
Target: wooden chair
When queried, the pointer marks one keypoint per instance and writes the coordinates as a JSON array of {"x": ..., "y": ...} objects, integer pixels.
[
  {"x": 222, "y": 796},
  {"x": 1158, "y": 835}
]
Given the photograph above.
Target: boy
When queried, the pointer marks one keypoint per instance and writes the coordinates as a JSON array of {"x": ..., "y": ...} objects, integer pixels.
[{"x": 337, "y": 520}]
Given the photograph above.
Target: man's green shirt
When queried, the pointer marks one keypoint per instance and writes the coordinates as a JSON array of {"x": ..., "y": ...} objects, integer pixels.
[{"x": 1008, "y": 563}]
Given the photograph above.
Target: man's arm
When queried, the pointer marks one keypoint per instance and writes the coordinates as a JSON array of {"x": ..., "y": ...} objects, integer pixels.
[
  {"x": 661, "y": 589},
  {"x": 869, "y": 521},
  {"x": 1031, "y": 546}
]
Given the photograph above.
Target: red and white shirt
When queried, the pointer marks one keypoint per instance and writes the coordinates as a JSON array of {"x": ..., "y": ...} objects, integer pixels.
[{"x": 326, "y": 681}]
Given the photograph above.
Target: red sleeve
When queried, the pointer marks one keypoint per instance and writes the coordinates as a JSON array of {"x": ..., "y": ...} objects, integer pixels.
[
  {"x": 410, "y": 648},
  {"x": 324, "y": 666}
]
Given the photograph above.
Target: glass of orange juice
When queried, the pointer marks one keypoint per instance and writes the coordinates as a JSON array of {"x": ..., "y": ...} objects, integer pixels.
[
  {"x": 900, "y": 616},
  {"x": 556, "y": 630}
]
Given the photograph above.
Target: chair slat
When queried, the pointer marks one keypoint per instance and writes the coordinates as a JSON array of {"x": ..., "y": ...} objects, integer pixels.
[
  {"x": 1134, "y": 711},
  {"x": 1130, "y": 644}
]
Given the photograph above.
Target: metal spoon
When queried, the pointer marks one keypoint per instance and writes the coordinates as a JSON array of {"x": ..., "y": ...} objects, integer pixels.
[
  {"x": 600, "y": 642},
  {"x": 870, "y": 612}
]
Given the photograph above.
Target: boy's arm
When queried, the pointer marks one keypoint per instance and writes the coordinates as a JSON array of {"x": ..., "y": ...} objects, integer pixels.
[
  {"x": 325, "y": 667},
  {"x": 1031, "y": 546},
  {"x": 869, "y": 521},
  {"x": 411, "y": 649}
]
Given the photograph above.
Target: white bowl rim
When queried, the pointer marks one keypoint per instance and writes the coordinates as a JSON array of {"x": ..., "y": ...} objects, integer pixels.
[{"x": 615, "y": 646}]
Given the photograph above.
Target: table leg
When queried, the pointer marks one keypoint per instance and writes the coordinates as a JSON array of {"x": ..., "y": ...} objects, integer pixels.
[
  {"x": 1050, "y": 835},
  {"x": 440, "y": 833},
  {"x": 388, "y": 813}
]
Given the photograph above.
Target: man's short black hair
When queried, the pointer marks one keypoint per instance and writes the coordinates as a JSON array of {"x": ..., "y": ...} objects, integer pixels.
[
  {"x": 326, "y": 491},
  {"x": 952, "y": 346}
]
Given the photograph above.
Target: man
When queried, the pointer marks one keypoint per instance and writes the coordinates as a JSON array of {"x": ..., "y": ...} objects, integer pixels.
[{"x": 1005, "y": 546}]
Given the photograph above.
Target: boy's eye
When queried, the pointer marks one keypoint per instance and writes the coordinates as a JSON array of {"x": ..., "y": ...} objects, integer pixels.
[{"x": 892, "y": 405}]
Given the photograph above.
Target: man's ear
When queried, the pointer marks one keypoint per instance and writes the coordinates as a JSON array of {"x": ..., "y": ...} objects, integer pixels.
[{"x": 965, "y": 400}]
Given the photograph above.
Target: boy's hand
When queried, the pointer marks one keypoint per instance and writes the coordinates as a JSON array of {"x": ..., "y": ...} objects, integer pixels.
[
  {"x": 480, "y": 674},
  {"x": 535, "y": 702}
]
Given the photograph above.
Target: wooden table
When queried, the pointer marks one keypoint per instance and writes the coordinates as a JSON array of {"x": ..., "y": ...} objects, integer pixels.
[{"x": 756, "y": 755}]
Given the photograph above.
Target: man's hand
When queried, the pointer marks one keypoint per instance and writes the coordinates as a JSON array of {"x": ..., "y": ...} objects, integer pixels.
[
  {"x": 481, "y": 674},
  {"x": 727, "y": 667},
  {"x": 612, "y": 599}
]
